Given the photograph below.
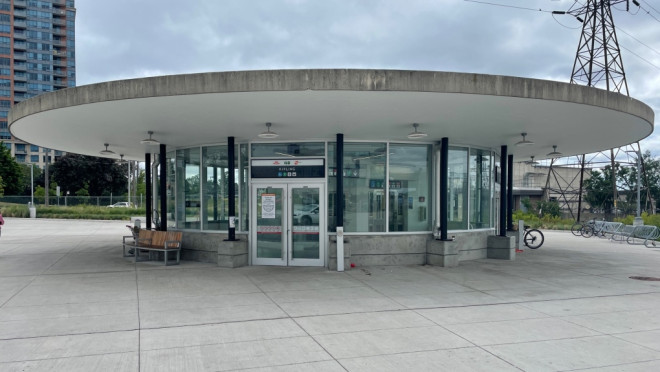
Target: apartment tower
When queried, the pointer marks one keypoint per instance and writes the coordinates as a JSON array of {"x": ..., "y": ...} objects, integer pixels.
[{"x": 37, "y": 55}]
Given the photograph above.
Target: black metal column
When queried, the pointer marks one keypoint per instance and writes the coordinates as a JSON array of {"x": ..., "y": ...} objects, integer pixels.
[
  {"x": 503, "y": 193},
  {"x": 339, "y": 197},
  {"x": 147, "y": 175},
  {"x": 231, "y": 192},
  {"x": 444, "y": 184},
  {"x": 509, "y": 195},
  {"x": 162, "y": 159}
]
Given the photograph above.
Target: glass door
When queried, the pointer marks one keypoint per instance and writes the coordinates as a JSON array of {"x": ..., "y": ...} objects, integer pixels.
[
  {"x": 307, "y": 225},
  {"x": 288, "y": 225},
  {"x": 268, "y": 239}
]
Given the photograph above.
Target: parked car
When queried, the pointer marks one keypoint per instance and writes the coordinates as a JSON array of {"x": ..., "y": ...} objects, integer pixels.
[
  {"x": 307, "y": 214},
  {"x": 121, "y": 205}
]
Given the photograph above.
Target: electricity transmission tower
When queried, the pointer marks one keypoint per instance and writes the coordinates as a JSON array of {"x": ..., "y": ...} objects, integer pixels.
[{"x": 598, "y": 63}]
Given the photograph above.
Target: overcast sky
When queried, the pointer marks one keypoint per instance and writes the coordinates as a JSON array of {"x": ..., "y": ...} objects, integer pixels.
[{"x": 123, "y": 39}]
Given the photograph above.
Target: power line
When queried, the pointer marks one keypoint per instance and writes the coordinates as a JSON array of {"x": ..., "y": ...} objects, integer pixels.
[
  {"x": 640, "y": 57},
  {"x": 507, "y": 6},
  {"x": 649, "y": 13},
  {"x": 651, "y": 6},
  {"x": 637, "y": 40}
]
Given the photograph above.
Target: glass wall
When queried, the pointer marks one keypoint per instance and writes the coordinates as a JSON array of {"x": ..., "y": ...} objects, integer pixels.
[
  {"x": 410, "y": 187},
  {"x": 243, "y": 207},
  {"x": 387, "y": 187},
  {"x": 188, "y": 188},
  {"x": 480, "y": 188},
  {"x": 215, "y": 188},
  {"x": 170, "y": 218},
  {"x": 457, "y": 214}
]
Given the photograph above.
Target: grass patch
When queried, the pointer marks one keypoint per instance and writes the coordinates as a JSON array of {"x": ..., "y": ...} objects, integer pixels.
[{"x": 83, "y": 212}]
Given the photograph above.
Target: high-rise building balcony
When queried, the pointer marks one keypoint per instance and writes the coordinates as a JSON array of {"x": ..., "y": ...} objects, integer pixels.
[
  {"x": 20, "y": 3},
  {"x": 20, "y": 65},
  {"x": 20, "y": 87},
  {"x": 22, "y": 56},
  {"x": 20, "y": 76},
  {"x": 59, "y": 31},
  {"x": 20, "y": 13},
  {"x": 20, "y": 23},
  {"x": 19, "y": 34},
  {"x": 60, "y": 83},
  {"x": 60, "y": 43},
  {"x": 59, "y": 72},
  {"x": 20, "y": 45},
  {"x": 59, "y": 21}
]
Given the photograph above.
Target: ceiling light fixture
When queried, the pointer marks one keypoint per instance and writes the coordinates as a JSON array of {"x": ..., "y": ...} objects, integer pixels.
[
  {"x": 554, "y": 153},
  {"x": 532, "y": 161},
  {"x": 415, "y": 134},
  {"x": 524, "y": 141},
  {"x": 106, "y": 151},
  {"x": 150, "y": 141},
  {"x": 268, "y": 133}
]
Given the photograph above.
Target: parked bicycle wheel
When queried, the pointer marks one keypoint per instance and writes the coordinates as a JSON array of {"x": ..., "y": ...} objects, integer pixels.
[
  {"x": 588, "y": 231},
  {"x": 533, "y": 238},
  {"x": 576, "y": 229}
]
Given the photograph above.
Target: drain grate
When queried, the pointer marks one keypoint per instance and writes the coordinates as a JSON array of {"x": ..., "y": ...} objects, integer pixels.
[{"x": 645, "y": 278}]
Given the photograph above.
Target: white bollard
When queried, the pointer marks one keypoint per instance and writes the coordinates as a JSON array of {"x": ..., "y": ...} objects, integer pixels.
[
  {"x": 340, "y": 248},
  {"x": 521, "y": 233}
]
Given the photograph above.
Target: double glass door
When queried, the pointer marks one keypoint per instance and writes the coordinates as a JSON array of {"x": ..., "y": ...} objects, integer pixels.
[{"x": 288, "y": 227}]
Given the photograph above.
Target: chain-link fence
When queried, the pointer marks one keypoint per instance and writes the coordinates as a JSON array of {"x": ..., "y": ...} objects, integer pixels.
[{"x": 100, "y": 201}]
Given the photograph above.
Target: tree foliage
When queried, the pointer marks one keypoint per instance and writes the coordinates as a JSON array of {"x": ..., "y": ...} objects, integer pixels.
[
  {"x": 11, "y": 172},
  {"x": 599, "y": 190},
  {"x": 98, "y": 176}
]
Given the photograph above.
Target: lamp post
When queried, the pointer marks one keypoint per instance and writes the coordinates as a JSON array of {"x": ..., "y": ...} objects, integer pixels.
[{"x": 638, "y": 217}]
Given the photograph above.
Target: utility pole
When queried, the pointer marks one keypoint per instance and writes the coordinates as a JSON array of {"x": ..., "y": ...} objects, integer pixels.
[{"x": 598, "y": 61}]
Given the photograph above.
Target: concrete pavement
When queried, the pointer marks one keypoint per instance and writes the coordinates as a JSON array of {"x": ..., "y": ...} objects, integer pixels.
[{"x": 69, "y": 301}]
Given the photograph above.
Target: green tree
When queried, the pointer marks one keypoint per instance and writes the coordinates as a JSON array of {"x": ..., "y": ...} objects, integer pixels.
[
  {"x": 99, "y": 176},
  {"x": 11, "y": 172},
  {"x": 598, "y": 190},
  {"x": 548, "y": 208}
]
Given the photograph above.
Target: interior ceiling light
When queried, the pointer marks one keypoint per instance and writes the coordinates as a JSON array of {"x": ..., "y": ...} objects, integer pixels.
[
  {"x": 532, "y": 161},
  {"x": 106, "y": 151},
  {"x": 415, "y": 133},
  {"x": 524, "y": 141},
  {"x": 554, "y": 153},
  {"x": 121, "y": 158},
  {"x": 268, "y": 133},
  {"x": 150, "y": 141}
]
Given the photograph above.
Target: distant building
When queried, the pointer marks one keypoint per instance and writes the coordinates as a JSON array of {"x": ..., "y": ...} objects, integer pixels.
[
  {"x": 37, "y": 55},
  {"x": 537, "y": 182}
]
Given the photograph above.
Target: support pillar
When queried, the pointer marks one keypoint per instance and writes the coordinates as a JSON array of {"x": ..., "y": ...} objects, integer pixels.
[
  {"x": 231, "y": 193},
  {"x": 502, "y": 246},
  {"x": 162, "y": 159},
  {"x": 503, "y": 190},
  {"x": 444, "y": 184},
  {"x": 509, "y": 195},
  {"x": 149, "y": 184},
  {"x": 339, "y": 202}
]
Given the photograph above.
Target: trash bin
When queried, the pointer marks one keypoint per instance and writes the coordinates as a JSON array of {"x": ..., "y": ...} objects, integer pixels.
[{"x": 33, "y": 210}]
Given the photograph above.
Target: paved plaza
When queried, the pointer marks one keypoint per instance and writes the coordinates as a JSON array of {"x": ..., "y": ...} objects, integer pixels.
[{"x": 69, "y": 301}]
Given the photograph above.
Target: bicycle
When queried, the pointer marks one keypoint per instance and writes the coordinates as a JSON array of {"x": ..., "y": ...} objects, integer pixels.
[
  {"x": 585, "y": 229},
  {"x": 533, "y": 238}
]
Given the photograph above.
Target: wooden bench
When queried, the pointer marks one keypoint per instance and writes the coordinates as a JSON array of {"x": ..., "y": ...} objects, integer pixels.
[{"x": 153, "y": 241}]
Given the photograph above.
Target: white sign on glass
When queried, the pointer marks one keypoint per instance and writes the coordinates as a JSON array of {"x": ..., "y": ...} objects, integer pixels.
[{"x": 267, "y": 205}]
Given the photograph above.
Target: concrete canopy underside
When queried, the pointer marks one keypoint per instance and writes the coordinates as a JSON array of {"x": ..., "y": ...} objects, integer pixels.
[{"x": 198, "y": 109}]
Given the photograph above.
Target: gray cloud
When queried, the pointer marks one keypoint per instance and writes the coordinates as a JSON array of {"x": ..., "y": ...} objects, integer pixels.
[{"x": 126, "y": 39}]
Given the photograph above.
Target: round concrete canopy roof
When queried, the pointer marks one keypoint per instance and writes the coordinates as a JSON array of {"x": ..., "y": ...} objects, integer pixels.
[{"x": 199, "y": 109}]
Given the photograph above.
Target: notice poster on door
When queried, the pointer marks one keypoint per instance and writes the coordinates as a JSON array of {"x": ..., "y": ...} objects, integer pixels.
[{"x": 267, "y": 205}]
